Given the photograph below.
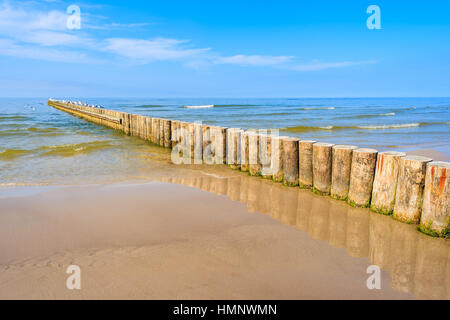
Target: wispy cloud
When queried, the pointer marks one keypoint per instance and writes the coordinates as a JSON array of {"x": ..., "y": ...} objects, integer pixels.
[
  {"x": 11, "y": 48},
  {"x": 254, "y": 60},
  {"x": 151, "y": 50},
  {"x": 315, "y": 66}
]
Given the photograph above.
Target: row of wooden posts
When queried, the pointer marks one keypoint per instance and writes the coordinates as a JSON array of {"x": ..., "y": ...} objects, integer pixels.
[{"x": 413, "y": 189}]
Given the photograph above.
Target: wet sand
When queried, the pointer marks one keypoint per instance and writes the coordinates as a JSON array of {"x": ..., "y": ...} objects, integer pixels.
[
  {"x": 208, "y": 237},
  {"x": 430, "y": 153}
]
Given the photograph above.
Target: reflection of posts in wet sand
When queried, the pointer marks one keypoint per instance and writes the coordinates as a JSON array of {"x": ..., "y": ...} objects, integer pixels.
[
  {"x": 431, "y": 268},
  {"x": 303, "y": 211},
  {"x": 318, "y": 221},
  {"x": 417, "y": 264},
  {"x": 380, "y": 234},
  {"x": 254, "y": 190},
  {"x": 275, "y": 202},
  {"x": 288, "y": 212},
  {"x": 264, "y": 198},
  {"x": 357, "y": 232},
  {"x": 337, "y": 228},
  {"x": 403, "y": 257},
  {"x": 234, "y": 188},
  {"x": 244, "y": 190}
]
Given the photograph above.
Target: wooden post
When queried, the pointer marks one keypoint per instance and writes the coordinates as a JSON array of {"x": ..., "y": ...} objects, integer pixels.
[
  {"x": 265, "y": 155},
  {"x": 148, "y": 125},
  {"x": 340, "y": 177},
  {"x": 198, "y": 143},
  {"x": 254, "y": 167},
  {"x": 277, "y": 158},
  {"x": 206, "y": 144},
  {"x": 237, "y": 144},
  {"x": 322, "y": 160},
  {"x": 305, "y": 163},
  {"x": 231, "y": 148},
  {"x": 161, "y": 132},
  {"x": 435, "y": 219},
  {"x": 173, "y": 132},
  {"x": 158, "y": 131},
  {"x": 409, "y": 193},
  {"x": 219, "y": 144},
  {"x": 244, "y": 151},
  {"x": 167, "y": 133},
  {"x": 290, "y": 161},
  {"x": 361, "y": 177},
  {"x": 385, "y": 182}
]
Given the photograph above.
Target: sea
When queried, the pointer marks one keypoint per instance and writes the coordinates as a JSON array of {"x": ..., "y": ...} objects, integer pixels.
[{"x": 40, "y": 145}]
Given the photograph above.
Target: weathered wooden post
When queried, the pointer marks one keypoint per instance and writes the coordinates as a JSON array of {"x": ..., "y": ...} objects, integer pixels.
[
  {"x": 167, "y": 133},
  {"x": 244, "y": 151},
  {"x": 148, "y": 125},
  {"x": 174, "y": 133},
  {"x": 290, "y": 161},
  {"x": 322, "y": 161},
  {"x": 361, "y": 177},
  {"x": 198, "y": 143},
  {"x": 126, "y": 123},
  {"x": 254, "y": 166},
  {"x": 409, "y": 194},
  {"x": 237, "y": 144},
  {"x": 206, "y": 144},
  {"x": 161, "y": 132},
  {"x": 158, "y": 131},
  {"x": 265, "y": 154},
  {"x": 277, "y": 158},
  {"x": 153, "y": 136},
  {"x": 219, "y": 144},
  {"x": 341, "y": 167},
  {"x": 435, "y": 219},
  {"x": 385, "y": 182},
  {"x": 305, "y": 163},
  {"x": 232, "y": 148}
]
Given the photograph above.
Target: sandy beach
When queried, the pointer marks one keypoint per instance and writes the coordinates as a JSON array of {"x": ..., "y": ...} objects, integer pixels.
[{"x": 203, "y": 237}]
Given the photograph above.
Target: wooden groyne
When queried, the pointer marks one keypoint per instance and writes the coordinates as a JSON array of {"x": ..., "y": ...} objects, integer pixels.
[{"x": 412, "y": 189}]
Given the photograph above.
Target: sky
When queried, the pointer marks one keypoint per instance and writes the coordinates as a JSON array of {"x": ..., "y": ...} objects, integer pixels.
[{"x": 227, "y": 49}]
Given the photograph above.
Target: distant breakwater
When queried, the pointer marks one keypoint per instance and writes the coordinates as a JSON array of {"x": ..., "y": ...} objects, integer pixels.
[{"x": 412, "y": 189}]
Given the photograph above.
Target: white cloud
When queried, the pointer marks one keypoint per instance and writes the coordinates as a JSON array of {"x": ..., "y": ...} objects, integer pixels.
[
  {"x": 151, "y": 50},
  {"x": 10, "y": 48},
  {"x": 254, "y": 60},
  {"x": 315, "y": 66}
]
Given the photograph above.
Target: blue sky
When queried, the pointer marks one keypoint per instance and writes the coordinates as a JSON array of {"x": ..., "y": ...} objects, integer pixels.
[{"x": 224, "y": 49}]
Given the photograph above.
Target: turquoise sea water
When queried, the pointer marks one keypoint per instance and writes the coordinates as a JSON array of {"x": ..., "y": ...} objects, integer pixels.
[{"x": 39, "y": 144}]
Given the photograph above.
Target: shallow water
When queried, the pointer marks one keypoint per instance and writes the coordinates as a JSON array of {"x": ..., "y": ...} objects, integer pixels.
[{"x": 42, "y": 145}]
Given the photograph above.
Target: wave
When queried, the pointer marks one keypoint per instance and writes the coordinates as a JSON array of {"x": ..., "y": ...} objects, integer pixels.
[
  {"x": 234, "y": 105},
  {"x": 365, "y": 127},
  {"x": 375, "y": 115},
  {"x": 317, "y": 108},
  {"x": 199, "y": 107},
  {"x": 69, "y": 150},
  {"x": 11, "y": 154},
  {"x": 390, "y": 126}
]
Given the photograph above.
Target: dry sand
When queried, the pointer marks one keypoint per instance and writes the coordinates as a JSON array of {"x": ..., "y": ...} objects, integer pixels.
[{"x": 169, "y": 241}]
